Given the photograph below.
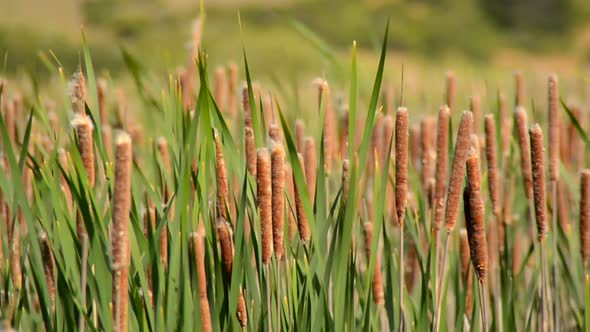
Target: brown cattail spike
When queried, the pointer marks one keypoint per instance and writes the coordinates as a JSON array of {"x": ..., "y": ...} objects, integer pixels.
[
  {"x": 538, "y": 172},
  {"x": 249, "y": 142},
  {"x": 302, "y": 224},
  {"x": 442, "y": 164},
  {"x": 401, "y": 165},
  {"x": 520, "y": 119},
  {"x": 222, "y": 184},
  {"x": 554, "y": 125},
  {"x": 199, "y": 251},
  {"x": 278, "y": 198},
  {"x": 492, "y": 159},
  {"x": 225, "y": 239},
  {"x": 377, "y": 283},
  {"x": 264, "y": 194},
  {"x": 83, "y": 126},
  {"x": 120, "y": 234},
  {"x": 585, "y": 215},
  {"x": 458, "y": 171},
  {"x": 474, "y": 216},
  {"x": 77, "y": 93},
  {"x": 48, "y": 267}
]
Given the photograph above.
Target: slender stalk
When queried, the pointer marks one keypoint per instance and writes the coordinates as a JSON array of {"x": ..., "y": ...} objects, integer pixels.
[
  {"x": 83, "y": 278},
  {"x": 482, "y": 305},
  {"x": 554, "y": 184},
  {"x": 436, "y": 319}
]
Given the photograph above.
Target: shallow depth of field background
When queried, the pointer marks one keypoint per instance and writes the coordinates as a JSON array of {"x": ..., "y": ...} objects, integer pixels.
[{"x": 475, "y": 34}]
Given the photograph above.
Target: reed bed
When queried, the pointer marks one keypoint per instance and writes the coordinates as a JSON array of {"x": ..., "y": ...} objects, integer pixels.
[{"x": 209, "y": 201}]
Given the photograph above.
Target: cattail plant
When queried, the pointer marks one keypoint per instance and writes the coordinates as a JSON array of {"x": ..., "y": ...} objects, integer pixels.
[
  {"x": 83, "y": 127},
  {"x": 302, "y": 223},
  {"x": 401, "y": 186},
  {"x": 540, "y": 202},
  {"x": 458, "y": 170},
  {"x": 401, "y": 165},
  {"x": 291, "y": 214},
  {"x": 309, "y": 157},
  {"x": 377, "y": 282},
  {"x": 492, "y": 160},
  {"x": 474, "y": 216},
  {"x": 274, "y": 133},
  {"x": 264, "y": 197},
  {"x": 162, "y": 146},
  {"x": 77, "y": 93},
  {"x": 48, "y": 267},
  {"x": 198, "y": 242},
  {"x": 585, "y": 216},
  {"x": 466, "y": 275},
  {"x": 102, "y": 102},
  {"x": 442, "y": 165},
  {"x": 120, "y": 234},
  {"x": 249, "y": 143},
  {"x": 225, "y": 239},
  {"x": 538, "y": 174},
  {"x": 454, "y": 195},
  {"x": 345, "y": 180},
  {"x": 451, "y": 90},
  {"x": 427, "y": 149},
  {"x": 221, "y": 176},
  {"x": 554, "y": 135},
  {"x": 520, "y": 119},
  {"x": 278, "y": 198}
]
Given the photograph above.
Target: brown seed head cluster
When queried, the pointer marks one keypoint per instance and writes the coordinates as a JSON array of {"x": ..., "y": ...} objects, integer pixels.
[
  {"x": 120, "y": 234},
  {"x": 442, "y": 164},
  {"x": 554, "y": 125},
  {"x": 401, "y": 165},
  {"x": 538, "y": 172},
  {"x": 492, "y": 159},
  {"x": 474, "y": 216},
  {"x": 376, "y": 283},
  {"x": 278, "y": 198},
  {"x": 264, "y": 194},
  {"x": 198, "y": 242},
  {"x": 520, "y": 119},
  {"x": 458, "y": 171}
]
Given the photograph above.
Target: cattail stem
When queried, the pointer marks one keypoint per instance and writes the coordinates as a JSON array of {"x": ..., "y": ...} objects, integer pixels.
[
  {"x": 83, "y": 278},
  {"x": 482, "y": 305},
  {"x": 585, "y": 216},
  {"x": 199, "y": 251},
  {"x": 437, "y": 309}
]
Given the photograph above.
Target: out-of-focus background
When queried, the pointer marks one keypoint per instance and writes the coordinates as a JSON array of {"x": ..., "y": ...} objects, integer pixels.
[{"x": 508, "y": 33}]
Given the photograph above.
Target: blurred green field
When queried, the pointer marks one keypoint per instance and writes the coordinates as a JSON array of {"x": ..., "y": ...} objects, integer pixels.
[{"x": 454, "y": 33}]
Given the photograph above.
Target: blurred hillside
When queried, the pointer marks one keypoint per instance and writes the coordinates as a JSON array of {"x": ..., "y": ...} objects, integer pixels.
[{"x": 156, "y": 31}]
